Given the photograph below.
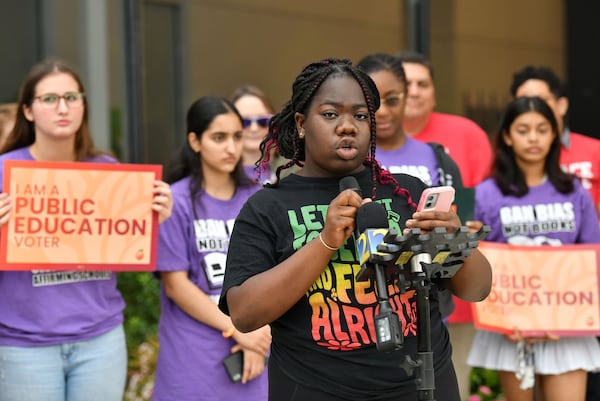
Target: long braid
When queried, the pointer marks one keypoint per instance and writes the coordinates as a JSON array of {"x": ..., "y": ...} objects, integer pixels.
[
  {"x": 374, "y": 63},
  {"x": 372, "y": 106},
  {"x": 378, "y": 173},
  {"x": 386, "y": 178}
]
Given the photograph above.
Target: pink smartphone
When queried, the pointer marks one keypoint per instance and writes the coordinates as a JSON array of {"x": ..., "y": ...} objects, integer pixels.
[{"x": 436, "y": 199}]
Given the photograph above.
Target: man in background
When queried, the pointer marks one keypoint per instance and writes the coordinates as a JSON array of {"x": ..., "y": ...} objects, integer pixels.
[{"x": 464, "y": 140}]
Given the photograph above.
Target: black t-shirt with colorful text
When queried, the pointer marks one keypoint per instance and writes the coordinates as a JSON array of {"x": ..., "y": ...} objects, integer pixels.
[{"x": 327, "y": 339}]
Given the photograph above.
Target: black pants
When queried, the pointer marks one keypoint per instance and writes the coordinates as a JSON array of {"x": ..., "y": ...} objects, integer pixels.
[{"x": 282, "y": 388}]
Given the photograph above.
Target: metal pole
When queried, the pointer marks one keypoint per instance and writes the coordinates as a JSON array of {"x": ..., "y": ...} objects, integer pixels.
[
  {"x": 133, "y": 82},
  {"x": 95, "y": 61},
  {"x": 417, "y": 23}
]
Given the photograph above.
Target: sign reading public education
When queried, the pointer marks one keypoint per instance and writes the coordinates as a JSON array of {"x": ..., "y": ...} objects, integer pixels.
[
  {"x": 541, "y": 289},
  {"x": 79, "y": 216}
]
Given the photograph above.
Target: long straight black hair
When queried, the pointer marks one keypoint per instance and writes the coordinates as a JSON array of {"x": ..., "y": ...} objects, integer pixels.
[
  {"x": 506, "y": 172},
  {"x": 187, "y": 162}
]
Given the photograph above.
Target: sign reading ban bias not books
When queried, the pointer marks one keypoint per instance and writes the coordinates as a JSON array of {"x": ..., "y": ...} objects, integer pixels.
[
  {"x": 79, "y": 216},
  {"x": 541, "y": 289}
]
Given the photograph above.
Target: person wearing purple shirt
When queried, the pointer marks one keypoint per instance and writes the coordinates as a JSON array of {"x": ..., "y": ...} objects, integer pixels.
[
  {"x": 413, "y": 158},
  {"x": 396, "y": 151},
  {"x": 530, "y": 200},
  {"x": 209, "y": 188},
  {"x": 61, "y": 333}
]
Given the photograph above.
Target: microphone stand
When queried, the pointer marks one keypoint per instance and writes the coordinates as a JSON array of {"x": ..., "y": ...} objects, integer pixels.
[
  {"x": 424, "y": 360},
  {"x": 435, "y": 255}
]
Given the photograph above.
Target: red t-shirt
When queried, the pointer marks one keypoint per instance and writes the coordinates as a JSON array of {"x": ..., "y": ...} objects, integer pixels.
[
  {"x": 466, "y": 143},
  {"x": 580, "y": 155}
]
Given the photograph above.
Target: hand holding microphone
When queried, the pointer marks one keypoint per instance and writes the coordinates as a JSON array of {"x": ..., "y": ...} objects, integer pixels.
[
  {"x": 341, "y": 214},
  {"x": 372, "y": 226}
]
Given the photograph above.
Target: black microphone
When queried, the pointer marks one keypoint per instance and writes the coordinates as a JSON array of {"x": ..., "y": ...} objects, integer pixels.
[
  {"x": 371, "y": 227},
  {"x": 372, "y": 223},
  {"x": 350, "y": 182}
]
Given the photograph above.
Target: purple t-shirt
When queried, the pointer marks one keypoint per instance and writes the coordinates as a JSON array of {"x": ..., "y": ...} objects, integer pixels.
[
  {"x": 191, "y": 353},
  {"x": 252, "y": 173},
  {"x": 543, "y": 216},
  {"x": 45, "y": 307},
  {"x": 413, "y": 158}
]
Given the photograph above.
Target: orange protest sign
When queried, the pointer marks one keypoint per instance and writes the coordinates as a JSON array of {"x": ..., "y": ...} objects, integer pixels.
[
  {"x": 541, "y": 289},
  {"x": 79, "y": 216}
]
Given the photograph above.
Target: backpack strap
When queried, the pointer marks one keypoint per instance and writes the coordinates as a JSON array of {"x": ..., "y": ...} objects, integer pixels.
[{"x": 447, "y": 168}]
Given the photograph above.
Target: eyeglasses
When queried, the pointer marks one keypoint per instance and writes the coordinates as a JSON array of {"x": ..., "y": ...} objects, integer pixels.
[
  {"x": 51, "y": 100},
  {"x": 393, "y": 100},
  {"x": 262, "y": 121}
]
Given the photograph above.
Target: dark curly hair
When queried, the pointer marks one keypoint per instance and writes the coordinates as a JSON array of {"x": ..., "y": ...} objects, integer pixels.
[
  {"x": 383, "y": 62},
  {"x": 539, "y": 73}
]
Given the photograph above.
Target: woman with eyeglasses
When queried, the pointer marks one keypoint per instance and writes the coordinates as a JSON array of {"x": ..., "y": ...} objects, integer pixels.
[
  {"x": 398, "y": 152},
  {"x": 61, "y": 338},
  {"x": 256, "y": 111}
]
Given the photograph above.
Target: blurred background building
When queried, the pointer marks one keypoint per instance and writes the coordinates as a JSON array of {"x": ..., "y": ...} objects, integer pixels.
[{"x": 144, "y": 61}]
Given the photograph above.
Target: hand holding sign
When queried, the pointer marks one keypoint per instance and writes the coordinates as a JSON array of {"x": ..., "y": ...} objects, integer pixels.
[
  {"x": 541, "y": 291},
  {"x": 85, "y": 216}
]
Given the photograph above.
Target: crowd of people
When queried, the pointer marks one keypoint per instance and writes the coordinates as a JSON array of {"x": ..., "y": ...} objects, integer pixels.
[{"x": 258, "y": 243}]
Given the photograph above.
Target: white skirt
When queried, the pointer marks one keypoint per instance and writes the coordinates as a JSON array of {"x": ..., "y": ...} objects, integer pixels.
[{"x": 493, "y": 351}]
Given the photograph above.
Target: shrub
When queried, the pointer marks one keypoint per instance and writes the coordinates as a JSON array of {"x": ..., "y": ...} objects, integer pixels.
[
  {"x": 141, "y": 291},
  {"x": 485, "y": 385},
  {"x": 141, "y": 372}
]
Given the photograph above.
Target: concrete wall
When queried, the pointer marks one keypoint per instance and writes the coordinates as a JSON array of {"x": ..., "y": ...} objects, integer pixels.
[
  {"x": 476, "y": 46},
  {"x": 267, "y": 42}
]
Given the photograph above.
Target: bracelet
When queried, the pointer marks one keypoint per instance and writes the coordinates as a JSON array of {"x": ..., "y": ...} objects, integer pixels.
[
  {"x": 324, "y": 244},
  {"x": 228, "y": 333}
]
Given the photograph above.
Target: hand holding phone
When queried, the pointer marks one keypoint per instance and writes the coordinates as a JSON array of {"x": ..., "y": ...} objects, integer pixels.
[
  {"x": 436, "y": 199},
  {"x": 234, "y": 365}
]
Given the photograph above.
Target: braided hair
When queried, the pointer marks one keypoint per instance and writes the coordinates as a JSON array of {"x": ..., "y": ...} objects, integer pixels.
[
  {"x": 383, "y": 62},
  {"x": 283, "y": 133}
]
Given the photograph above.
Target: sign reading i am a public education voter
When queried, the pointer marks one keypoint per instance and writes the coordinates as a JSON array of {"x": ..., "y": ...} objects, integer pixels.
[
  {"x": 541, "y": 289},
  {"x": 79, "y": 216}
]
